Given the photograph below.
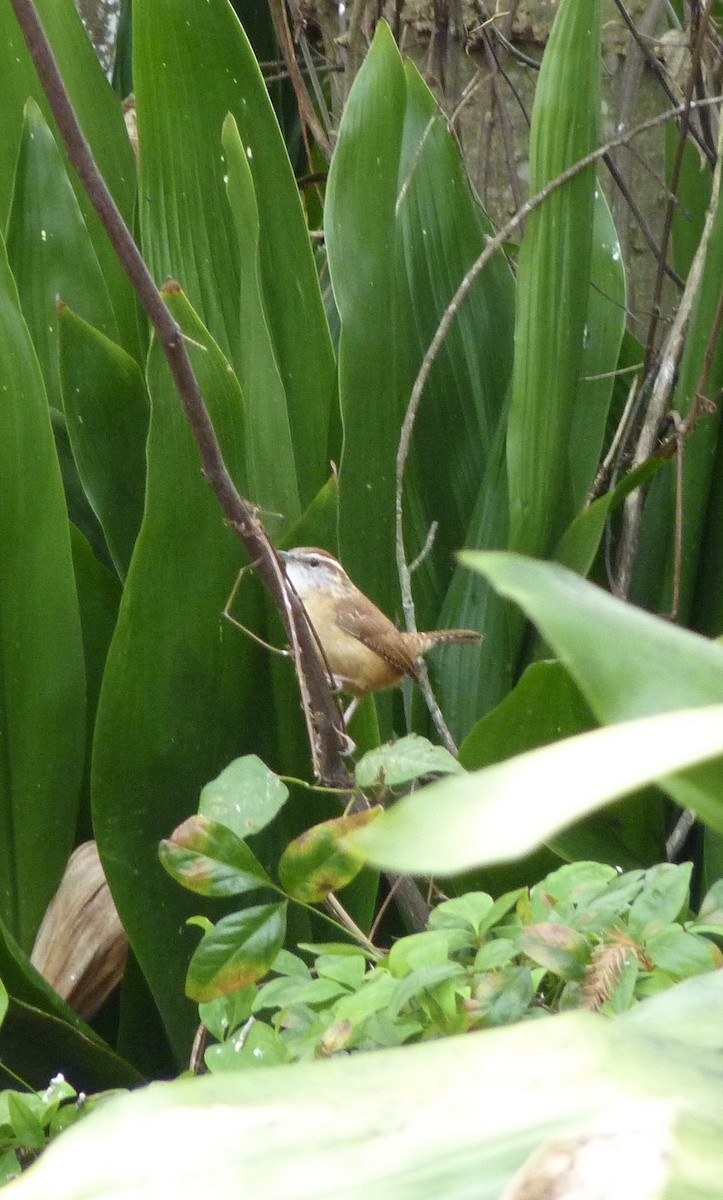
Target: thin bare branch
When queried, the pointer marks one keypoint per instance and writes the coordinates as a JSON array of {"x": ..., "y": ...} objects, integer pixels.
[
  {"x": 685, "y": 125},
  {"x": 309, "y": 119},
  {"x": 663, "y": 386},
  {"x": 493, "y": 246},
  {"x": 327, "y": 736}
]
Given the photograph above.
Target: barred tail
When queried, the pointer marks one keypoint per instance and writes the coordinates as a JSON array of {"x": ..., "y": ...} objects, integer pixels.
[{"x": 436, "y": 637}]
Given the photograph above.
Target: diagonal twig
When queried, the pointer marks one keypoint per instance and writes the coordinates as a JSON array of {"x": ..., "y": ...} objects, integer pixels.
[{"x": 327, "y": 736}]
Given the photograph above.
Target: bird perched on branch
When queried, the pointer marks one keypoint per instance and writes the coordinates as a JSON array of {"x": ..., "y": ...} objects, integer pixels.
[{"x": 363, "y": 649}]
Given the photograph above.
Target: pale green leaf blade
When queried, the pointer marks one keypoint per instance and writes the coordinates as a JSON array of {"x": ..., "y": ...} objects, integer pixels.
[
  {"x": 42, "y": 712},
  {"x": 505, "y": 811}
]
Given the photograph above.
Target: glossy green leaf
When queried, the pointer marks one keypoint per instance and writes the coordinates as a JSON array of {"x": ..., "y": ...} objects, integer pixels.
[
  {"x": 259, "y": 1046},
  {"x": 359, "y": 221},
  {"x": 505, "y": 998},
  {"x": 545, "y": 706},
  {"x": 25, "y": 1121},
  {"x": 441, "y": 230},
  {"x": 680, "y": 953},
  {"x": 186, "y": 222},
  {"x": 49, "y": 249},
  {"x": 507, "y": 810},
  {"x": 699, "y": 570},
  {"x": 557, "y": 948},
  {"x": 693, "y": 192},
  {"x": 208, "y": 858},
  {"x": 601, "y": 340},
  {"x": 553, "y": 279},
  {"x": 238, "y": 951},
  {"x": 227, "y": 1013},
  {"x": 403, "y": 760},
  {"x": 664, "y": 896},
  {"x": 101, "y": 118},
  {"x": 558, "y": 1082},
  {"x": 99, "y": 593},
  {"x": 319, "y": 861},
  {"x": 626, "y": 662},
  {"x": 106, "y": 409},
  {"x": 42, "y": 712},
  {"x": 402, "y": 228},
  {"x": 419, "y": 984},
  {"x": 181, "y": 685},
  {"x": 270, "y": 461},
  {"x": 581, "y": 540},
  {"x": 246, "y": 796},
  {"x": 35, "y": 1044}
]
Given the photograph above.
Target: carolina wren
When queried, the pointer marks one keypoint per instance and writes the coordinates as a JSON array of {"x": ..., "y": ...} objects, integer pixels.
[{"x": 364, "y": 650}]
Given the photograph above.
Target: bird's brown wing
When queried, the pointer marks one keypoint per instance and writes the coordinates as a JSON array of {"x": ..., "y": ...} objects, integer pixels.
[{"x": 371, "y": 634}]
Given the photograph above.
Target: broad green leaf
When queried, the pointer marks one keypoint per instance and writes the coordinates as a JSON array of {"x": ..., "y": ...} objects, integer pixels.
[
  {"x": 208, "y": 858},
  {"x": 557, "y": 948},
  {"x": 270, "y": 462},
  {"x": 664, "y": 896},
  {"x": 494, "y": 955},
  {"x": 601, "y": 341},
  {"x": 99, "y": 593},
  {"x": 186, "y": 222},
  {"x": 246, "y": 796},
  {"x": 25, "y": 1120},
  {"x": 694, "y": 189},
  {"x": 359, "y": 221},
  {"x": 9, "y": 1166},
  {"x": 402, "y": 228},
  {"x": 42, "y": 711},
  {"x": 101, "y": 118},
  {"x": 682, "y": 954},
  {"x": 471, "y": 684},
  {"x": 506, "y": 810},
  {"x": 80, "y": 514},
  {"x": 626, "y": 662},
  {"x": 238, "y": 951},
  {"x": 227, "y": 1013},
  {"x": 318, "y": 861},
  {"x": 546, "y": 705},
  {"x": 464, "y": 912},
  {"x": 106, "y": 410},
  {"x": 35, "y": 1044},
  {"x": 250, "y": 1049},
  {"x": 441, "y": 229},
  {"x": 504, "y": 998},
  {"x": 401, "y": 761},
  {"x": 553, "y": 280},
  {"x": 417, "y": 984},
  {"x": 577, "y": 1077},
  {"x": 711, "y": 910},
  {"x": 699, "y": 571},
  {"x": 181, "y": 687},
  {"x": 49, "y": 249},
  {"x": 581, "y": 540},
  {"x": 347, "y": 969}
]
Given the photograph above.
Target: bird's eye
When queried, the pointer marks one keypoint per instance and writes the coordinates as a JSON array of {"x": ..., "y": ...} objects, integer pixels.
[{"x": 313, "y": 561}]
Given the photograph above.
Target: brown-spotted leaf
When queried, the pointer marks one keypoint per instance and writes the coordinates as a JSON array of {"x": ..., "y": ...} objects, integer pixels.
[
  {"x": 560, "y": 949},
  {"x": 237, "y": 952},
  {"x": 318, "y": 862},
  {"x": 207, "y": 857}
]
